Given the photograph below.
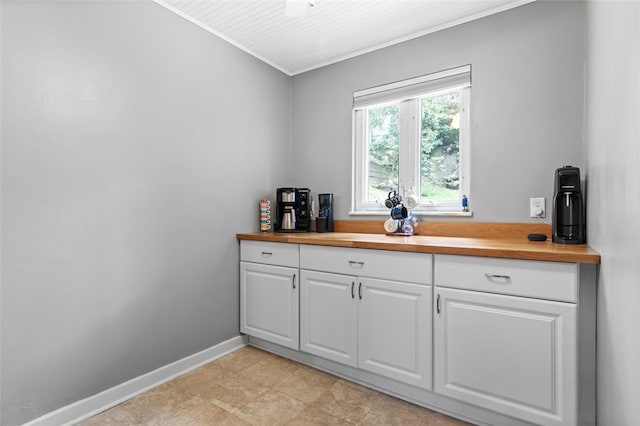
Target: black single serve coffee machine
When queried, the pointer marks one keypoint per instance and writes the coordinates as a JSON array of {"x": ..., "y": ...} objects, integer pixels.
[
  {"x": 293, "y": 210},
  {"x": 568, "y": 221}
]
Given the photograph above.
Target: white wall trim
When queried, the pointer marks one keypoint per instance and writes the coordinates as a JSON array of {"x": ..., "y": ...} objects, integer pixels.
[{"x": 104, "y": 400}]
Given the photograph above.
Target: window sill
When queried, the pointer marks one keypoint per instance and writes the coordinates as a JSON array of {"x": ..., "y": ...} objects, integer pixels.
[{"x": 415, "y": 213}]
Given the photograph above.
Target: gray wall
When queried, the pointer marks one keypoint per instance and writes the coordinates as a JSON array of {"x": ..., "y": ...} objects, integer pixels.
[
  {"x": 124, "y": 125},
  {"x": 134, "y": 146},
  {"x": 526, "y": 116},
  {"x": 613, "y": 155}
]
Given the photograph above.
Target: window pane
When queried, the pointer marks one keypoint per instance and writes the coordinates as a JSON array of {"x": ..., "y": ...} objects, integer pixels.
[
  {"x": 382, "y": 151},
  {"x": 439, "y": 147}
]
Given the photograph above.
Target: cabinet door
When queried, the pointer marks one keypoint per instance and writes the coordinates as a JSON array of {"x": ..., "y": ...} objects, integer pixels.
[
  {"x": 514, "y": 355},
  {"x": 395, "y": 330},
  {"x": 269, "y": 303},
  {"x": 328, "y": 316}
]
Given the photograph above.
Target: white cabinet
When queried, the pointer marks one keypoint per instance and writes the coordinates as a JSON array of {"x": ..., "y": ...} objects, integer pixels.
[
  {"x": 512, "y": 354},
  {"x": 499, "y": 341},
  {"x": 269, "y": 298},
  {"x": 394, "y": 338},
  {"x": 378, "y": 325},
  {"x": 329, "y": 316}
]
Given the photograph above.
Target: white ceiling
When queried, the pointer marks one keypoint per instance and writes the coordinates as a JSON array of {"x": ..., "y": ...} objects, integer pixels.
[{"x": 331, "y": 30}]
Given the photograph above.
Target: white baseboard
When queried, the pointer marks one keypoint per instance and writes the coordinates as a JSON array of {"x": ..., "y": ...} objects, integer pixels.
[{"x": 95, "y": 404}]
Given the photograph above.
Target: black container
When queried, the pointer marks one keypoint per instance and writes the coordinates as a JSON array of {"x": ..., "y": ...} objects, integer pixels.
[
  {"x": 568, "y": 220},
  {"x": 324, "y": 222}
]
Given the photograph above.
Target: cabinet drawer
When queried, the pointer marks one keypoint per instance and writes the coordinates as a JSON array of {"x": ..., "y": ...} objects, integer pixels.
[
  {"x": 529, "y": 278},
  {"x": 382, "y": 264},
  {"x": 281, "y": 254}
]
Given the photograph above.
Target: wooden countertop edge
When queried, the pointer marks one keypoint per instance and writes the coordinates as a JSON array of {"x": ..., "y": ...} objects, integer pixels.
[{"x": 508, "y": 248}]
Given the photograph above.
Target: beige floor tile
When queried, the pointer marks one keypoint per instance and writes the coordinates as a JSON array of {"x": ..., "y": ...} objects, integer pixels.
[
  {"x": 115, "y": 416},
  {"x": 241, "y": 359},
  {"x": 233, "y": 420},
  {"x": 196, "y": 382},
  {"x": 394, "y": 412},
  {"x": 199, "y": 412},
  {"x": 306, "y": 384},
  {"x": 151, "y": 407},
  {"x": 254, "y": 387},
  {"x": 271, "y": 408},
  {"x": 312, "y": 416},
  {"x": 271, "y": 371},
  {"x": 347, "y": 401},
  {"x": 234, "y": 391}
]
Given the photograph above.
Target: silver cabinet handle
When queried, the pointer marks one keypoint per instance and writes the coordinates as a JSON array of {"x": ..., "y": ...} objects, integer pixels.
[
  {"x": 294, "y": 281},
  {"x": 360, "y": 291},
  {"x": 498, "y": 276},
  {"x": 438, "y": 303},
  {"x": 354, "y": 262},
  {"x": 353, "y": 283},
  {"x": 266, "y": 253}
]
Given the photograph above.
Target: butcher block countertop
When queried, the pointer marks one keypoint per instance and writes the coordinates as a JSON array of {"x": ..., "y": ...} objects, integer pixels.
[{"x": 469, "y": 238}]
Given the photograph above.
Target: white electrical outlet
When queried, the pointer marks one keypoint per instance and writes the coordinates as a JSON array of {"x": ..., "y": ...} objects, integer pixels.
[{"x": 537, "y": 207}]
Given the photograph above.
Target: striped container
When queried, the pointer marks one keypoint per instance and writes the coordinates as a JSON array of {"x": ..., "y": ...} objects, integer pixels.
[{"x": 265, "y": 215}]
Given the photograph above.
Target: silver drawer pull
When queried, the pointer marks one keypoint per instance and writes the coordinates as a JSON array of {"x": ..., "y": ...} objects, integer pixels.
[
  {"x": 353, "y": 262},
  {"x": 266, "y": 253},
  {"x": 497, "y": 276}
]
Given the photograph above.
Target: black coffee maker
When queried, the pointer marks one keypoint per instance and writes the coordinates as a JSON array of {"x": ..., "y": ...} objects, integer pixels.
[
  {"x": 293, "y": 210},
  {"x": 568, "y": 221}
]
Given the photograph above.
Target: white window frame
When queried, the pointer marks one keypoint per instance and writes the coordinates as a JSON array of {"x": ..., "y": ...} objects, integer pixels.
[{"x": 408, "y": 94}]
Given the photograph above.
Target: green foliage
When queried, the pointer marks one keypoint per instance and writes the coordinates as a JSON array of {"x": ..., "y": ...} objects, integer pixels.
[
  {"x": 440, "y": 144},
  {"x": 439, "y": 148},
  {"x": 383, "y": 147}
]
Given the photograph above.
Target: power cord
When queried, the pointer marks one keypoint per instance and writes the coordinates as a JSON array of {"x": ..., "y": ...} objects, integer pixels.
[{"x": 543, "y": 221}]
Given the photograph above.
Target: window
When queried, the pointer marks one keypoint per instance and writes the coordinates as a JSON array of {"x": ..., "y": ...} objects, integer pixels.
[{"x": 413, "y": 137}]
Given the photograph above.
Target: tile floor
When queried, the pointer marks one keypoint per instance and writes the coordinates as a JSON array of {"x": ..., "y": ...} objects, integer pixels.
[{"x": 254, "y": 387}]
